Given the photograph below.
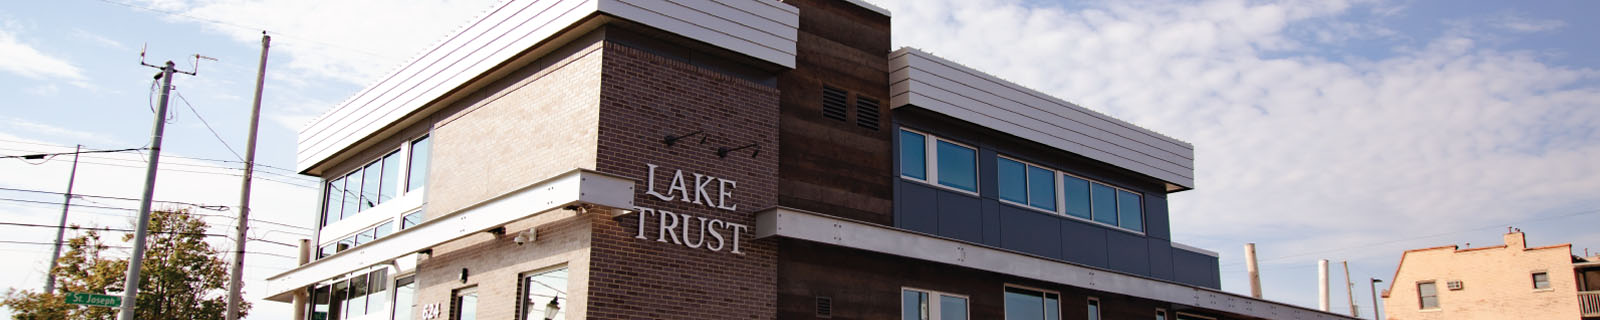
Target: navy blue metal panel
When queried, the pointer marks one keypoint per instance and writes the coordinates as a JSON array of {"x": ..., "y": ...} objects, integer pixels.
[
  {"x": 1030, "y": 231},
  {"x": 991, "y": 222},
  {"x": 918, "y": 208},
  {"x": 1129, "y": 252},
  {"x": 1160, "y": 259},
  {"x": 1156, "y": 218},
  {"x": 1196, "y": 269},
  {"x": 988, "y": 186},
  {"x": 960, "y": 216},
  {"x": 1084, "y": 243}
]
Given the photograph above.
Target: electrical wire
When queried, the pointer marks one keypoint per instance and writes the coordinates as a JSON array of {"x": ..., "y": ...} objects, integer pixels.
[
  {"x": 130, "y": 247},
  {"x": 249, "y": 28},
  {"x": 207, "y": 124},
  {"x": 1394, "y": 241},
  {"x": 162, "y": 156},
  {"x": 203, "y": 206}
]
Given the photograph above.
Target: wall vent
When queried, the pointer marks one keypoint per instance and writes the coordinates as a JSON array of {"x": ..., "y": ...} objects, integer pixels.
[
  {"x": 866, "y": 112},
  {"x": 1454, "y": 285},
  {"x": 834, "y": 103},
  {"x": 824, "y": 307}
]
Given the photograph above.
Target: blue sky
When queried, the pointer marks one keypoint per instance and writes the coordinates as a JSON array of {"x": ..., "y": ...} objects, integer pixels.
[{"x": 1344, "y": 130}]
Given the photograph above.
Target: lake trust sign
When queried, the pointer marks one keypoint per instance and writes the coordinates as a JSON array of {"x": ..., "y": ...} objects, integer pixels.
[{"x": 685, "y": 229}]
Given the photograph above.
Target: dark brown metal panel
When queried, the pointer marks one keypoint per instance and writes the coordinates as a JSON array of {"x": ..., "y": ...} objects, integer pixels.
[{"x": 829, "y": 165}]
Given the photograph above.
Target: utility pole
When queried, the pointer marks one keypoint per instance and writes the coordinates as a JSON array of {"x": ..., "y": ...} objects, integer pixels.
[
  {"x": 236, "y": 277},
  {"x": 1376, "y": 313},
  {"x": 1253, "y": 269},
  {"x": 61, "y": 229},
  {"x": 130, "y": 293},
  {"x": 1350, "y": 289}
]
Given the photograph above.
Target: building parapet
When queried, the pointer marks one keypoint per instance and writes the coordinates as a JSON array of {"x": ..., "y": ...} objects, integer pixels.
[
  {"x": 923, "y": 80},
  {"x": 763, "y": 30}
]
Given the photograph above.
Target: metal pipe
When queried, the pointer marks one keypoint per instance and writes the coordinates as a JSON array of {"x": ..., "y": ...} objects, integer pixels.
[
  {"x": 1322, "y": 285},
  {"x": 1255, "y": 270}
]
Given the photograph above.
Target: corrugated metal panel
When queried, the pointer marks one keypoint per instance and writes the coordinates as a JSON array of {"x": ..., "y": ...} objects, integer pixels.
[
  {"x": 764, "y": 30},
  {"x": 940, "y": 85}
]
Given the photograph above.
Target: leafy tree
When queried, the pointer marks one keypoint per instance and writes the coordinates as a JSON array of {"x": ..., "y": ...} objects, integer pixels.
[{"x": 183, "y": 277}]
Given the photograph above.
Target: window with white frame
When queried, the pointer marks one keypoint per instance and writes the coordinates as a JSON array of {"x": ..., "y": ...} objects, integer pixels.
[
  {"x": 356, "y": 296},
  {"x": 918, "y": 304},
  {"x": 1026, "y": 184},
  {"x": 543, "y": 293},
  {"x": 1427, "y": 295},
  {"x": 1029, "y": 304},
  {"x": 376, "y": 182},
  {"x": 1094, "y": 309},
  {"x": 938, "y": 161}
]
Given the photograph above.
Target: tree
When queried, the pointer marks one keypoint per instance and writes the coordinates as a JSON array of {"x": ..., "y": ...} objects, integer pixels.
[{"x": 182, "y": 277}]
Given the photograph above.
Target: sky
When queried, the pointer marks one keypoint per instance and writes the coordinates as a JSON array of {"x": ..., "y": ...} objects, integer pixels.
[{"x": 1341, "y": 130}]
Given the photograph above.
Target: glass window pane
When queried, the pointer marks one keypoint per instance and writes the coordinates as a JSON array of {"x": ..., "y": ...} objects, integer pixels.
[
  {"x": 370, "y": 183},
  {"x": 1077, "y": 193},
  {"x": 346, "y": 244},
  {"x": 1052, "y": 307},
  {"x": 378, "y": 296},
  {"x": 1428, "y": 295},
  {"x": 1013, "y": 180},
  {"x": 1541, "y": 280},
  {"x": 418, "y": 175},
  {"x": 913, "y": 155},
  {"x": 1023, "y": 304},
  {"x": 466, "y": 305},
  {"x": 1129, "y": 211},
  {"x": 913, "y": 305},
  {"x": 339, "y": 300},
  {"x": 358, "y": 296},
  {"x": 1094, "y": 310},
  {"x": 1104, "y": 202},
  {"x": 410, "y": 220},
  {"x": 365, "y": 237},
  {"x": 405, "y": 298},
  {"x": 391, "y": 177},
  {"x": 352, "y": 193},
  {"x": 1041, "y": 188},
  {"x": 331, "y": 211},
  {"x": 958, "y": 166},
  {"x": 327, "y": 250},
  {"x": 544, "y": 291},
  {"x": 952, "y": 308},
  {"x": 319, "y": 302},
  {"x": 383, "y": 230}
]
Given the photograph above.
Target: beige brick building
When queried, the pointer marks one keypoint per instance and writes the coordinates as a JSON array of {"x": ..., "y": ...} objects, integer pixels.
[{"x": 1509, "y": 281}]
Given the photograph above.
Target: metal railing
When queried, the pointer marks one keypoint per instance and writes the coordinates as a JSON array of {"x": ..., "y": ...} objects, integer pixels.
[{"x": 1589, "y": 302}]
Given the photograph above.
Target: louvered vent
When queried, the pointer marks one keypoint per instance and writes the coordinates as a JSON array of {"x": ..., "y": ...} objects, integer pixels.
[
  {"x": 866, "y": 112},
  {"x": 833, "y": 103},
  {"x": 824, "y": 307}
]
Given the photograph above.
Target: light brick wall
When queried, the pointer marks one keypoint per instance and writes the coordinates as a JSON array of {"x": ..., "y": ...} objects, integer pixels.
[{"x": 1497, "y": 283}]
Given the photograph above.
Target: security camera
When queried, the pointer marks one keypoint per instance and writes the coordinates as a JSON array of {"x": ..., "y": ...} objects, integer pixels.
[{"x": 524, "y": 237}]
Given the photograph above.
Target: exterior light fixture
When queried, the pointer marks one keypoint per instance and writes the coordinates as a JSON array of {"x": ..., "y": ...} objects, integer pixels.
[
  {"x": 669, "y": 140},
  {"x": 551, "y": 309},
  {"x": 722, "y": 152}
]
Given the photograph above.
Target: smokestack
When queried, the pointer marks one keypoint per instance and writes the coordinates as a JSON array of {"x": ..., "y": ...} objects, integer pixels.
[
  {"x": 1255, "y": 270},
  {"x": 1350, "y": 290},
  {"x": 1322, "y": 285}
]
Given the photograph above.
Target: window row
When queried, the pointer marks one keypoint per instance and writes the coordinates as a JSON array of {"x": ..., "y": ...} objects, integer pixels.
[
  {"x": 1428, "y": 291},
  {"x": 382, "y": 230},
  {"x": 542, "y": 295},
  {"x": 1020, "y": 304},
  {"x": 353, "y": 297},
  {"x": 1029, "y": 185},
  {"x": 933, "y": 160},
  {"x": 376, "y": 182},
  {"x": 917, "y": 304}
]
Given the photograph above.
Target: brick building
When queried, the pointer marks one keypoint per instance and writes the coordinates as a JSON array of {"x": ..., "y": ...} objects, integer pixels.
[
  {"x": 1509, "y": 281},
  {"x": 736, "y": 159}
]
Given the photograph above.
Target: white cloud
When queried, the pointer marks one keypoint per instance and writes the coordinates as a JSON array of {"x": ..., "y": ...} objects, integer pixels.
[
  {"x": 98, "y": 40},
  {"x": 1302, "y": 151},
  {"x": 1525, "y": 24},
  {"x": 23, "y": 59}
]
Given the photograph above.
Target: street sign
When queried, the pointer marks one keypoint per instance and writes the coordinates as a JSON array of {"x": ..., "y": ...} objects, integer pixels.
[{"x": 94, "y": 300}]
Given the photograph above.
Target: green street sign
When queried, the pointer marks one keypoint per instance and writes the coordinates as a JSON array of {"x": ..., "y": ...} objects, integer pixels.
[{"x": 94, "y": 300}]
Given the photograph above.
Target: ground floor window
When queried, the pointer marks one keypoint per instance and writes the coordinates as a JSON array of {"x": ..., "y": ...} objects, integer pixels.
[
  {"x": 464, "y": 306},
  {"x": 1094, "y": 309},
  {"x": 918, "y": 304},
  {"x": 544, "y": 293},
  {"x": 1030, "y": 304},
  {"x": 405, "y": 297},
  {"x": 351, "y": 297}
]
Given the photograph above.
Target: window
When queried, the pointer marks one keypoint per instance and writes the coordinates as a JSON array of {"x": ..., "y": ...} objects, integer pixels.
[
  {"x": 918, "y": 304},
  {"x": 1094, "y": 309},
  {"x": 405, "y": 297},
  {"x": 382, "y": 230},
  {"x": 913, "y": 155},
  {"x": 1027, "y": 304},
  {"x": 1103, "y": 203},
  {"x": 319, "y": 303},
  {"x": 390, "y": 186},
  {"x": 410, "y": 220},
  {"x": 1541, "y": 280},
  {"x": 464, "y": 305},
  {"x": 377, "y": 291},
  {"x": 543, "y": 292},
  {"x": 1161, "y": 314},
  {"x": 417, "y": 177},
  {"x": 366, "y": 187},
  {"x": 333, "y": 208},
  {"x": 1026, "y": 184},
  {"x": 952, "y": 165},
  {"x": 1427, "y": 295}
]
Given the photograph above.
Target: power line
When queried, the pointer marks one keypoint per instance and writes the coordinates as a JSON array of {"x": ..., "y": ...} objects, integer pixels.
[
  {"x": 209, "y": 207},
  {"x": 207, "y": 124},
  {"x": 230, "y": 24},
  {"x": 127, "y": 247},
  {"x": 163, "y": 156},
  {"x": 110, "y": 229},
  {"x": 47, "y": 155},
  {"x": 131, "y": 209}
]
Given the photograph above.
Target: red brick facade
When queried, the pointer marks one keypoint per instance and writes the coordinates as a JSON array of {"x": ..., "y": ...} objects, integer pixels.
[{"x": 645, "y": 97}]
